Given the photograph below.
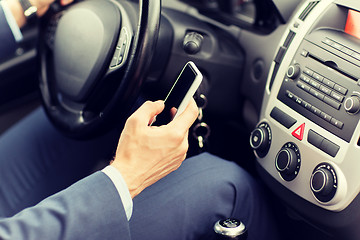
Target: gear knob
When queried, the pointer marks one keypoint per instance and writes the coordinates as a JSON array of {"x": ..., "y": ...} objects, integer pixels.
[{"x": 230, "y": 229}]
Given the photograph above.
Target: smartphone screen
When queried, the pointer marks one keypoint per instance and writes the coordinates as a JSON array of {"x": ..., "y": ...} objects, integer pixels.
[{"x": 180, "y": 93}]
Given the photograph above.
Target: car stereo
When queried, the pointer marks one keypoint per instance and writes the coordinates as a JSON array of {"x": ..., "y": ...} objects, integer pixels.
[{"x": 323, "y": 86}]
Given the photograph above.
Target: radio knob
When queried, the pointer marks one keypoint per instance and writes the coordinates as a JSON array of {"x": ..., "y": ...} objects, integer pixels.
[
  {"x": 293, "y": 71},
  {"x": 322, "y": 181},
  {"x": 352, "y": 104},
  {"x": 286, "y": 161}
]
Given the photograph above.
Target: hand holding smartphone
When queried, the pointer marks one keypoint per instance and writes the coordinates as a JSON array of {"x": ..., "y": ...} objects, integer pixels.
[{"x": 180, "y": 93}]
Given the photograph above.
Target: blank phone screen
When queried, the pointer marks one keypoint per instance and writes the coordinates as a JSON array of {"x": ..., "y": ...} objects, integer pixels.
[{"x": 176, "y": 94}]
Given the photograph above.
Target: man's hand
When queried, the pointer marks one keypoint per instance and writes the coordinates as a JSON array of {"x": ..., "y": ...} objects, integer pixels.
[
  {"x": 145, "y": 154},
  {"x": 42, "y": 6}
]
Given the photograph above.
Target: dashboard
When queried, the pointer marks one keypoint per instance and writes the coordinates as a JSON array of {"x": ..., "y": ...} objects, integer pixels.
[
  {"x": 307, "y": 139},
  {"x": 300, "y": 87},
  {"x": 232, "y": 10}
]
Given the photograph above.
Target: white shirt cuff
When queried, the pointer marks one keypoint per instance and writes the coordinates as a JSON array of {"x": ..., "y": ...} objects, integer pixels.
[
  {"x": 122, "y": 189},
  {"x": 12, "y": 22}
]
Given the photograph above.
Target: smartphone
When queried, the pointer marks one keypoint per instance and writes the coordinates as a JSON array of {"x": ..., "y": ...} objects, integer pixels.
[{"x": 180, "y": 93}]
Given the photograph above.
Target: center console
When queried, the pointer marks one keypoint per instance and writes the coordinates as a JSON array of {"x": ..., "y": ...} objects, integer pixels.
[{"x": 307, "y": 140}]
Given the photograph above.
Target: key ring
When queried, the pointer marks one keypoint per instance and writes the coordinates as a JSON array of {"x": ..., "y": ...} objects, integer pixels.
[{"x": 201, "y": 126}]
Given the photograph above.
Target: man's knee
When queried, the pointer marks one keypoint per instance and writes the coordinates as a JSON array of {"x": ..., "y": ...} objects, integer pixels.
[{"x": 223, "y": 184}]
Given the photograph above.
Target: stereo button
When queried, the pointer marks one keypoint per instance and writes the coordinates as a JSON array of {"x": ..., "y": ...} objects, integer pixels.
[
  {"x": 337, "y": 96},
  {"x": 332, "y": 102},
  {"x": 315, "y": 84},
  {"x": 290, "y": 95},
  {"x": 328, "y": 82},
  {"x": 326, "y": 116},
  {"x": 318, "y": 77},
  {"x": 306, "y": 105},
  {"x": 305, "y": 78},
  {"x": 303, "y": 86},
  {"x": 308, "y": 72},
  {"x": 325, "y": 90},
  {"x": 340, "y": 89},
  {"x": 317, "y": 94},
  {"x": 316, "y": 111},
  {"x": 337, "y": 123}
]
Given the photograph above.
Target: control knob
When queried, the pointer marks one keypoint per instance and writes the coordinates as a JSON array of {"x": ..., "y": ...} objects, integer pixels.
[
  {"x": 293, "y": 71},
  {"x": 323, "y": 182},
  {"x": 286, "y": 160},
  {"x": 260, "y": 139},
  {"x": 352, "y": 104}
]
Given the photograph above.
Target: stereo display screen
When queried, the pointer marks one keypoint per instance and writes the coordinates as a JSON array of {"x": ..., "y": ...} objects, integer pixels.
[{"x": 352, "y": 26}]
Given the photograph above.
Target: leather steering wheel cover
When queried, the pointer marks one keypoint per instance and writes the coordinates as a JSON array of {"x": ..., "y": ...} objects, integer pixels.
[
  {"x": 138, "y": 63},
  {"x": 139, "y": 60}
]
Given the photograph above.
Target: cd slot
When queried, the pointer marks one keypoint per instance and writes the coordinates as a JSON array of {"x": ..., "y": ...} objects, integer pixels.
[{"x": 334, "y": 66}]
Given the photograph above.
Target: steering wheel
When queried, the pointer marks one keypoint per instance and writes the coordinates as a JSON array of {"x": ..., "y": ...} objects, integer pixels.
[{"x": 94, "y": 56}]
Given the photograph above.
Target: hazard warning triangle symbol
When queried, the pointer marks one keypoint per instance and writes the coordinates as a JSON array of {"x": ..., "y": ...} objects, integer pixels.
[{"x": 299, "y": 132}]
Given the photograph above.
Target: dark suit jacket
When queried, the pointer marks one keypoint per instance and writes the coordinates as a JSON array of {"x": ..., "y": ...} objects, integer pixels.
[
  {"x": 89, "y": 209},
  {"x": 7, "y": 41}
]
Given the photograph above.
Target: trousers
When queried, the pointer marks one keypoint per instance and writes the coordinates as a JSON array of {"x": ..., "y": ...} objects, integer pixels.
[{"x": 37, "y": 161}]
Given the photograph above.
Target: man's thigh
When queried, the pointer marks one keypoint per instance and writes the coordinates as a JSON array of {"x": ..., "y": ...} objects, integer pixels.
[{"x": 187, "y": 203}]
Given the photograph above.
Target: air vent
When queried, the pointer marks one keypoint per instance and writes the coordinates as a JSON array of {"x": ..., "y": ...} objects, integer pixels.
[
  {"x": 307, "y": 10},
  {"x": 289, "y": 39},
  {"x": 280, "y": 54}
]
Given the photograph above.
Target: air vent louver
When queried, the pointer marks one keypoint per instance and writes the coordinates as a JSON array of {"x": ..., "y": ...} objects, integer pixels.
[
  {"x": 307, "y": 10},
  {"x": 280, "y": 54}
]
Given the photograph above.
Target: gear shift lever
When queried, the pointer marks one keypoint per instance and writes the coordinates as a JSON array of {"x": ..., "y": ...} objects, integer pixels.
[{"x": 230, "y": 229}]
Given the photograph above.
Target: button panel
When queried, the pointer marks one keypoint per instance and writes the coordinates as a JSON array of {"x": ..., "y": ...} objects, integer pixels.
[
  {"x": 320, "y": 91},
  {"x": 325, "y": 116},
  {"x": 121, "y": 50},
  {"x": 322, "y": 87}
]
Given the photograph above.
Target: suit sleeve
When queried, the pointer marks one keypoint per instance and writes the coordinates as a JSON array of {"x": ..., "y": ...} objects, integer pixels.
[
  {"x": 7, "y": 40},
  {"x": 89, "y": 209}
]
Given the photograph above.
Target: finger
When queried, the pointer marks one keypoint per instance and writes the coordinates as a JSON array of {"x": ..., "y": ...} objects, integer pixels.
[
  {"x": 187, "y": 117},
  {"x": 66, "y": 2},
  {"x": 173, "y": 112},
  {"x": 149, "y": 110}
]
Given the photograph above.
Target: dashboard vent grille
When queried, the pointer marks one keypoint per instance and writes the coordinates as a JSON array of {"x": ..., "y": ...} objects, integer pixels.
[
  {"x": 280, "y": 54},
  {"x": 307, "y": 10},
  {"x": 289, "y": 39}
]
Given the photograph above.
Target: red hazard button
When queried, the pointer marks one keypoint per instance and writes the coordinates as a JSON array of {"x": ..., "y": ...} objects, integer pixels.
[{"x": 299, "y": 132}]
